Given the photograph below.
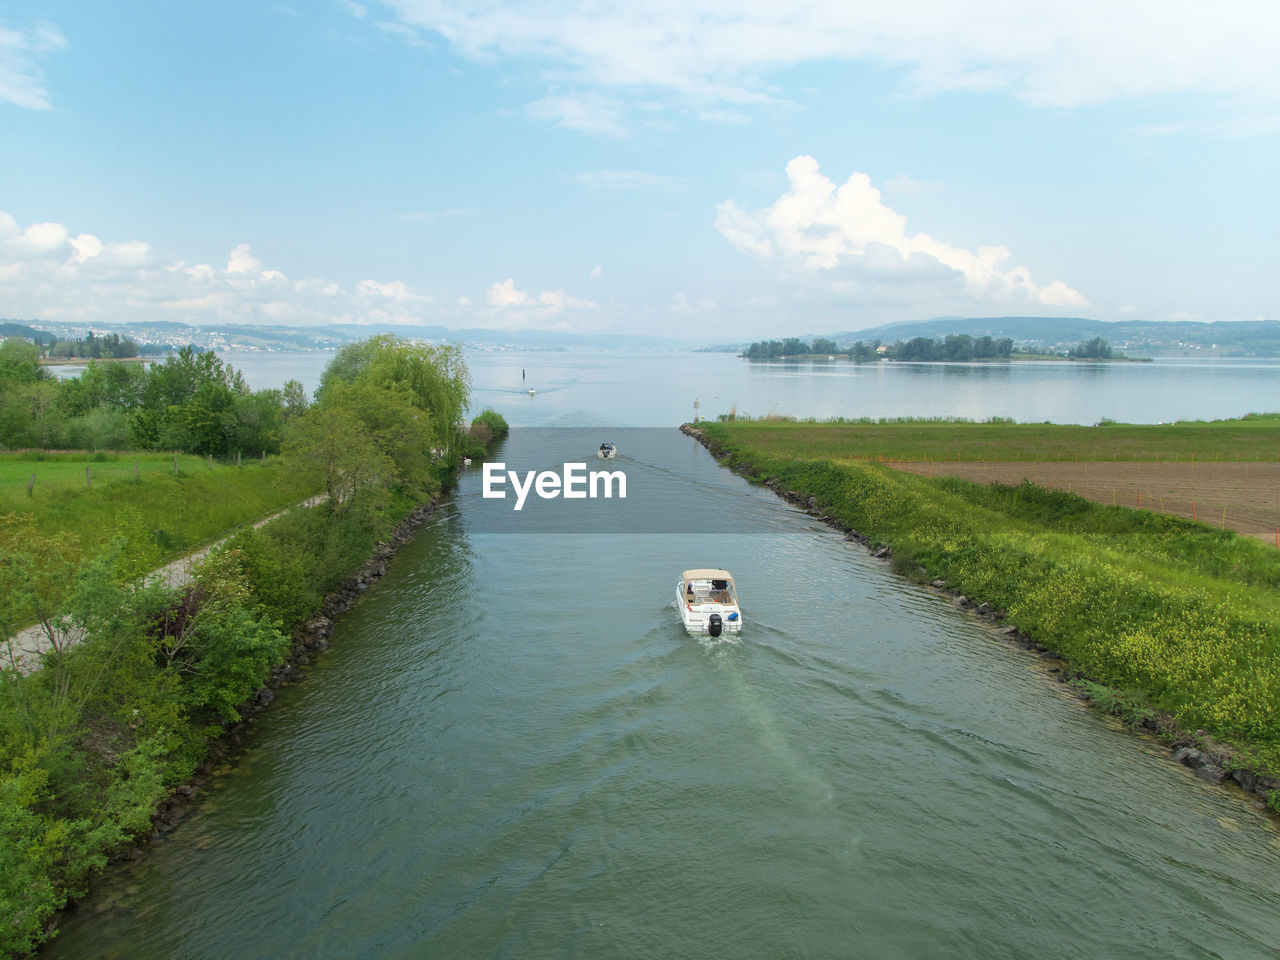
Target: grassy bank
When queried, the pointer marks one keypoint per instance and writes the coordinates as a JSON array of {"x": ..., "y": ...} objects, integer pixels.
[
  {"x": 1176, "y": 615},
  {"x": 161, "y": 515},
  {"x": 1256, "y": 437}
]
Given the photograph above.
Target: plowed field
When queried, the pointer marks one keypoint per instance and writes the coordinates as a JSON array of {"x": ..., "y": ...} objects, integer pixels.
[{"x": 1239, "y": 496}]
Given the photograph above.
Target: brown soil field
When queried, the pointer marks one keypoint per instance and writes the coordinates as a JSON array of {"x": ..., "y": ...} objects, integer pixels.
[{"x": 1244, "y": 497}]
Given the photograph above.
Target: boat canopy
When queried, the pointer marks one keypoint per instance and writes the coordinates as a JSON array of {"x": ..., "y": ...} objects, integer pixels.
[{"x": 706, "y": 574}]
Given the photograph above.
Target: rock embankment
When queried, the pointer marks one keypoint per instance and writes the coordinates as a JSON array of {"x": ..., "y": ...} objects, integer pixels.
[
  {"x": 1212, "y": 762},
  {"x": 310, "y": 637}
]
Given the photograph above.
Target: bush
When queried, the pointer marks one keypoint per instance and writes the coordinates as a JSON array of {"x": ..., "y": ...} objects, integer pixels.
[{"x": 494, "y": 421}]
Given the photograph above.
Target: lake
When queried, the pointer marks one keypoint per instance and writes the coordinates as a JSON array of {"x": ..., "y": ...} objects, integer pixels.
[{"x": 513, "y": 750}]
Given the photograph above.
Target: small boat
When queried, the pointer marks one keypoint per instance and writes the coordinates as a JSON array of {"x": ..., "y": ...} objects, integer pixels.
[
  {"x": 708, "y": 602},
  {"x": 607, "y": 451},
  {"x": 533, "y": 392}
]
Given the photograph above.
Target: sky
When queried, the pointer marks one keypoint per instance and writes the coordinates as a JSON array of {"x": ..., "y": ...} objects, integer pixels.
[{"x": 704, "y": 168}]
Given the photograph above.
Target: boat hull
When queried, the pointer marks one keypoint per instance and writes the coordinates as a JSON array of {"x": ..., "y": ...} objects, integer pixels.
[{"x": 696, "y": 617}]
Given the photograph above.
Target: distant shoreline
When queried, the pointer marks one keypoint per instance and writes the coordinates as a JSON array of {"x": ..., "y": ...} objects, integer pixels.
[
  {"x": 1017, "y": 358},
  {"x": 79, "y": 361}
]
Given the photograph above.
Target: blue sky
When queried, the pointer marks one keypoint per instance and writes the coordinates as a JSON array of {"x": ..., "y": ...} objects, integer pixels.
[{"x": 715, "y": 169}]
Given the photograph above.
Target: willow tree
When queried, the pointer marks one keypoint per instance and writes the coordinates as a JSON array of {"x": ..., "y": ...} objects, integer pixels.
[{"x": 434, "y": 375}]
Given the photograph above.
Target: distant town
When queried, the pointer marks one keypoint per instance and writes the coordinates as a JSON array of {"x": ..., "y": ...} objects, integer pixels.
[{"x": 988, "y": 337}]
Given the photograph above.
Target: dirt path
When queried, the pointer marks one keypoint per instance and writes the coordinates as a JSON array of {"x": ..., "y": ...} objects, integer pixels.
[
  {"x": 23, "y": 650},
  {"x": 1239, "y": 496}
]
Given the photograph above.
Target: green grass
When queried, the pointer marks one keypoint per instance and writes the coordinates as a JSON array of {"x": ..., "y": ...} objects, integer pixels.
[
  {"x": 161, "y": 514},
  {"x": 1254, "y": 438},
  {"x": 1182, "y": 616},
  {"x": 61, "y": 470}
]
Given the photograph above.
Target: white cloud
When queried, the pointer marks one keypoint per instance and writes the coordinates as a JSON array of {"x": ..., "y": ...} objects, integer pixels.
[
  {"x": 356, "y": 10},
  {"x": 586, "y": 113},
  {"x": 86, "y": 245},
  {"x": 396, "y": 289},
  {"x": 242, "y": 261},
  {"x": 819, "y": 227},
  {"x": 505, "y": 294},
  {"x": 504, "y": 297},
  {"x": 406, "y": 33},
  {"x": 713, "y": 56},
  {"x": 46, "y": 273},
  {"x": 596, "y": 272},
  {"x": 21, "y": 79}
]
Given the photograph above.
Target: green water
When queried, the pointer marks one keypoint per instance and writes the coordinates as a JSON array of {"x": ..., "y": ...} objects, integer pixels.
[{"x": 513, "y": 750}]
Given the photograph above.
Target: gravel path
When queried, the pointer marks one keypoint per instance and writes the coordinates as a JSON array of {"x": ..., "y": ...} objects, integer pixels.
[{"x": 23, "y": 650}]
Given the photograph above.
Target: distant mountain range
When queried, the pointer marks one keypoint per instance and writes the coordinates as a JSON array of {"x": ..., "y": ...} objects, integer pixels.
[{"x": 1137, "y": 338}]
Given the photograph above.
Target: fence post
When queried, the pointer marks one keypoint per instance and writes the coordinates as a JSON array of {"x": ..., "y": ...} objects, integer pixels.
[
  {"x": 135, "y": 468},
  {"x": 32, "y": 485},
  {"x": 175, "y": 464},
  {"x": 211, "y": 461},
  {"x": 88, "y": 477},
  {"x": 237, "y": 458}
]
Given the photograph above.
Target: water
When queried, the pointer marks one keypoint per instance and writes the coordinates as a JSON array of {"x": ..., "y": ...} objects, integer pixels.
[
  {"x": 658, "y": 389},
  {"x": 513, "y": 750},
  {"x": 576, "y": 388}
]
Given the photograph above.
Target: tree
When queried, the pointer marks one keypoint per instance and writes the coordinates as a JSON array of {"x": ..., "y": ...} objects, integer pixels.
[
  {"x": 20, "y": 362},
  {"x": 328, "y": 448},
  {"x": 434, "y": 375},
  {"x": 401, "y": 430},
  {"x": 294, "y": 398},
  {"x": 1095, "y": 349}
]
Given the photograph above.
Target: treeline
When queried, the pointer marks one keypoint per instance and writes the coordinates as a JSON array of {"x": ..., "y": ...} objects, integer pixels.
[
  {"x": 956, "y": 348},
  {"x": 790, "y": 347},
  {"x": 111, "y": 346},
  {"x": 140, "y": 678},
  {"x": 192, "y": 402},
  {"x": 1095, "y": 349}
]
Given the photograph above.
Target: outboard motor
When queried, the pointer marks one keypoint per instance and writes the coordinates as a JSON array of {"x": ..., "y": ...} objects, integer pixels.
[{"x": 714, "y": 625}]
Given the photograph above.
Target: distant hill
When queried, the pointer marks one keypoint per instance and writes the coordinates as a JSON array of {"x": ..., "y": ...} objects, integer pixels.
[
  {"x": 1242, "y": 338},
  {"x": 277, "y": 339},
  {"x": 14, "y": 328}
]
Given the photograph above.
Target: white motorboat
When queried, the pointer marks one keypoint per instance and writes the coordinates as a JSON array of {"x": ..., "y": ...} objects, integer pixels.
[
  {"x": 607, "y": 451},
  {"x": 708, "y": 602}
]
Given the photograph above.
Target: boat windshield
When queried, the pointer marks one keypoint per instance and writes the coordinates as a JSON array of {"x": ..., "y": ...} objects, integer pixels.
[{"x": 710, "y": 591}]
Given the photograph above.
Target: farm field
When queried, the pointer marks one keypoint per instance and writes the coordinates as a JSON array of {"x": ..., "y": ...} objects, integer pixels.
[
  {"x": 1244, "y": 496},
  {"x": 1254, "y": 438}
]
